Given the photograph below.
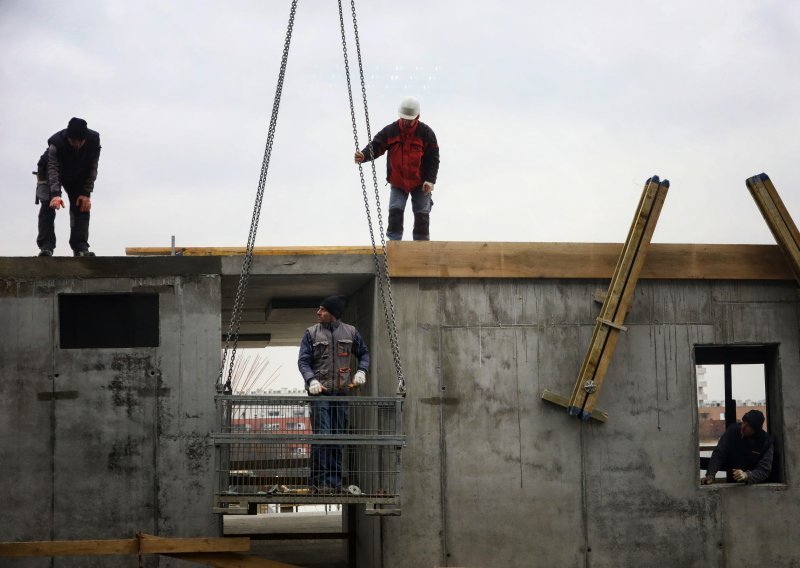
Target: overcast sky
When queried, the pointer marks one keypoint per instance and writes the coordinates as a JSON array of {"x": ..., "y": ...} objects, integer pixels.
[{"x": 550, "y": 116}]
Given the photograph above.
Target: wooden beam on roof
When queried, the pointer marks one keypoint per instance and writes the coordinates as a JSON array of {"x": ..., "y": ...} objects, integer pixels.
[
  {"x": 239, "y": 251},
  {"x": 453, "y": 259},
  {"x": 777, "y": 217},
  {"x": 442, "y": 259}
]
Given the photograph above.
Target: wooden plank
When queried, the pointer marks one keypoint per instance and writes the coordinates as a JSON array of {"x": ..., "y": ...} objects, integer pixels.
[
  {"x": 615, "y": 305},
  {"x": 231, "y": 560},
  {"x": 69, "y": 548},
  {"x": 147, "y": 545},
  {"x": 157, "y": 545},
  {"x": 239, "y": 251},
  {"x": 441, "y": 259},
  {"x": 778, "y": 219}
]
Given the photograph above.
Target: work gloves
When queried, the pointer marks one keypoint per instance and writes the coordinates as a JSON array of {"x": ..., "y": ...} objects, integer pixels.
[
  {"x": 740, "y": 475},
  {"x": 360, "y": 378},
  {"x": 314, "y": 387}
]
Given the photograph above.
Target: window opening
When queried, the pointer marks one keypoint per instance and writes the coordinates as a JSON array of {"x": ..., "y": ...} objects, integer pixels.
[
  {"x": 108, "y": 320},
  {"x": 732, "y": 380}
]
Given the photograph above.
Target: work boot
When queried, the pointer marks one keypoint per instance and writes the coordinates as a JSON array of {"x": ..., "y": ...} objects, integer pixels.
[
  {"x": 83, "y": 253},
  {"x": 394, "y": 229},
  {"x": 45, "y": 252},
  {"x": 422, "y": 223}
]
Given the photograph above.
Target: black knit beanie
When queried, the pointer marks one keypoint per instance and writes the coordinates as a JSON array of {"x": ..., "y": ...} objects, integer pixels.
[
  {"x": 755, "y": 418},
  {"x": 76, "y": 129},
  {"x": 335, "y": 305}
]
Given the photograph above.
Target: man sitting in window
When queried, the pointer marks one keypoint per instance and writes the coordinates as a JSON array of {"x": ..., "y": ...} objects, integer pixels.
[{"x": 745, "y": 450}]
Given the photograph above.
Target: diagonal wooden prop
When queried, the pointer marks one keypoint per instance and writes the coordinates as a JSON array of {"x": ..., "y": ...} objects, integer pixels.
[{"x": 615, "y": 306}]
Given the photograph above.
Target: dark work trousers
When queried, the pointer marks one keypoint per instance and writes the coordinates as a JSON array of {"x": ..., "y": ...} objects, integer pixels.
[
  {"x": 78, "y": 223},
  {"x": 421, "y": 204},
  {"x": 328, "y": 416}
]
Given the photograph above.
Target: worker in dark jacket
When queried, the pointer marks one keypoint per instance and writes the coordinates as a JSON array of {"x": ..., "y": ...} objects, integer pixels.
[
  {"x": 745, "y": 450},
  {"x": 325, "y": 363},
  {"x": 70, "y": 161},
  {"x": 411, "y": 168}
]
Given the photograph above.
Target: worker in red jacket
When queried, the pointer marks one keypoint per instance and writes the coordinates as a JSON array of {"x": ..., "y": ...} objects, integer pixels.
[{"x": 411, "y": 168}]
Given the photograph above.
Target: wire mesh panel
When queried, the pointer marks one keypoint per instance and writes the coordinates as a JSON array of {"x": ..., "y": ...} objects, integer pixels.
[{"x": 304, "y": 450}]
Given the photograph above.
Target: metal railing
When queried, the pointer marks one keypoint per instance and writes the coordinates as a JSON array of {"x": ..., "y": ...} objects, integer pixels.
[{"x": 308, "y": 450}]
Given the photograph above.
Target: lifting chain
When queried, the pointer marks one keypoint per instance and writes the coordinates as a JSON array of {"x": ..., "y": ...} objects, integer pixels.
[
  {"x": 382, "y": 268},
  {"x": 241, "y": 292}
]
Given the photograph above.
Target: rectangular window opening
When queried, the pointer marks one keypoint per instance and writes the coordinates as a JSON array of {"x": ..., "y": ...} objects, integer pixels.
[
  {"x": 732, "y": 380},
  {"x": 108, "y": 320}
]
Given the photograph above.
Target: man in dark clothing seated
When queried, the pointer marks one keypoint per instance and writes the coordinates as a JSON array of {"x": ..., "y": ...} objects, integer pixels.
[{"x": 745, "y": 450}]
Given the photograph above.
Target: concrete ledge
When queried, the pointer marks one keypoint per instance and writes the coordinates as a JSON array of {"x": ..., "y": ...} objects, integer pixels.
[{"x": 25, "y": 268}]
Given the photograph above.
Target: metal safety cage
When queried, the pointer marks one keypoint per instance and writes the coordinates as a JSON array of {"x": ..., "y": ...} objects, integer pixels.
[{"x": 276, "y": 449}]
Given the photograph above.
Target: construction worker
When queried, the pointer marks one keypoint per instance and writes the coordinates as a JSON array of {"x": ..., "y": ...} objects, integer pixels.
[
  {"x": 324, "y": 362},
  {"x": 70, "y": 161},
  {"x": 411, "y": 168},
  {"x": 745, "y": 450}
]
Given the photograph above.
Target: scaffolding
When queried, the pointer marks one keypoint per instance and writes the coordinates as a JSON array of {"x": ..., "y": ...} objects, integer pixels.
[{"x": 274, "y": 450}]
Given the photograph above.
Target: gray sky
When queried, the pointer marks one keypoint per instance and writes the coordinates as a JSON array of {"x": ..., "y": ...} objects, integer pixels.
[{"x": 550, "y": 116}]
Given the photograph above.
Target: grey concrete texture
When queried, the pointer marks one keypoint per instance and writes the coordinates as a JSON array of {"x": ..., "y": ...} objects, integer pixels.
[
  {"x": 102, "y": 443},
  {"x": 494, "y": 476}
]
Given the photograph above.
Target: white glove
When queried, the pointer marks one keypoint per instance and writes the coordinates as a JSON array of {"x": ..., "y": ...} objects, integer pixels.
[
  {"x": 740, "y": 475},
  {"x": 314, "y": 387},
  {"x": 427, "y": 187},
  {"x": 360, "y": 378}
]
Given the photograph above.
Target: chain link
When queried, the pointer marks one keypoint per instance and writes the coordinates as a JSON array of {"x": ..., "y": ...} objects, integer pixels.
[
  {"x": 241, "y": 292},
  {"x": 382, "y": 269}
]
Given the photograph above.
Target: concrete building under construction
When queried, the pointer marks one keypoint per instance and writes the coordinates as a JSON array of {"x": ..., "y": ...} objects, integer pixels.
[{"x": 108, "y": 430}]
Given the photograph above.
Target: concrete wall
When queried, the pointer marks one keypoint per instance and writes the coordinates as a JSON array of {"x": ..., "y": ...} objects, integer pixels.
[
  {"x": 102, "y": 443},
  {"x": 494, "y": 476}
]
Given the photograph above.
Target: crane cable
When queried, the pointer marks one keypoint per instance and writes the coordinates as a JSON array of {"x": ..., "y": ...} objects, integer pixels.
[
  {"x": 241, "y": 292},
  {"x": 382, "y": 268}
]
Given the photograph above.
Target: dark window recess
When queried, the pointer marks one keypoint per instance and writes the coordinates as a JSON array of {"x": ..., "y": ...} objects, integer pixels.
[
  {"x": 108, "y": 320},
  {"x": 731, "y": 380}
]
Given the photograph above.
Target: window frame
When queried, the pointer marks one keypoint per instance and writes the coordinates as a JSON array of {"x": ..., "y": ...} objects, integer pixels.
[{"x": 727, "y": 355}]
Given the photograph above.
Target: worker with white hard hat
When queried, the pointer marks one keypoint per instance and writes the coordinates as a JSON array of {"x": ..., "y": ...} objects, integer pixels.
[{"x": 411, "y": 168}]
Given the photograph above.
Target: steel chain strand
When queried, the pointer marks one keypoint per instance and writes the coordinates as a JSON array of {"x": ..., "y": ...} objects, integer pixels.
[
  {"x": 378, "y": 270},
  {"x": 241, "y": 292},
  {"x": 391, "y": 321},
  {"x": 360, "y": 168}
]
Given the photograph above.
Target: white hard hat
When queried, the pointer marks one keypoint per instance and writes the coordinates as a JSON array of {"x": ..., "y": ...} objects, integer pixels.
[{"x": 409, "y": 108}]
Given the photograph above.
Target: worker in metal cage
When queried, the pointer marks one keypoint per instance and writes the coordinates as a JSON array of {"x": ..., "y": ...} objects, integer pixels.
[
  {"x": 70, "y": 161},
  {"x": 325, "y": 357},
  {"x": 745, "y": 450},
  {"x": 411, "y": 168}
]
